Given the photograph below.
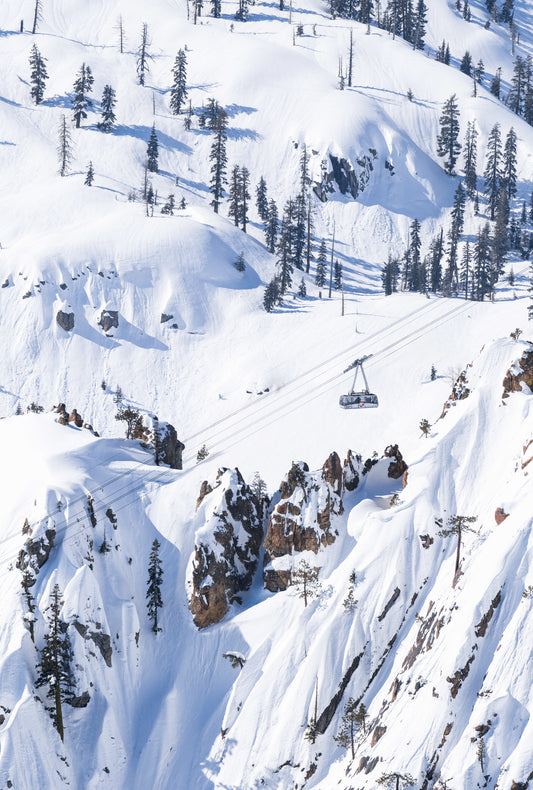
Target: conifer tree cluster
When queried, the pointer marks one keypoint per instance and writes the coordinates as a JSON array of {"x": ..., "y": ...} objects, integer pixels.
[
  {"x": 81, "y": 102},
  {"x": 239, "y": 196}
]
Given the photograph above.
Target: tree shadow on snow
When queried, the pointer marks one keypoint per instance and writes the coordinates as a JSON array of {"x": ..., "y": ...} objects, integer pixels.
[{"x": 143, "y": 133}]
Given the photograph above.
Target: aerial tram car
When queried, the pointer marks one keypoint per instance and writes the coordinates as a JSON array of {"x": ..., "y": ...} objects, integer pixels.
[{"x": 359, "y": 399}]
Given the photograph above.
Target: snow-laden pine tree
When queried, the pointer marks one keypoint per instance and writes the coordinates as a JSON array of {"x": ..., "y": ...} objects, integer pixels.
[
  {"x": 492, "y": 174},
  {"x": 152, "y": 152},
  {"x": 155, "y": 580},
  {"x": 64, "y": 147},
  {"x": 320, "y": 273},
  {"x": 54, "y": 667},
  {"x": 234, "y": 190},
  {"x": 38, "y": 75},
  {"x": 448, "y": 144},
  {"x": 178, "y": 92},
  {"x": 218, "y": 159},
  {"x": 470, "y": 159},
  {"x": 107, "y": 109},
  {"x": 271, "y": 226},
  {"x": 81, "y": 101},
  {"x": 89, "y": 178},
  {"x": 285, "y": 261},
  {"x": 261, "y": 199},
  {"x": 508, "y": 178}
]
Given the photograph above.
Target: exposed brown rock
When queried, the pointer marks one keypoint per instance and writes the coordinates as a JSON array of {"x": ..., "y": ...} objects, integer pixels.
[
  {"x": 481, "y": 627},
  {"x": 482, "y": 729},
  {"x": 171, "y": 447},
  {"x": 427, "y": 541},
  {"x": 205, "y": 489},
  {"x": 351, "y": 467},
  {"x": 332, "y": 473},
  {"x": 522, "y": 371},
  {"x": 76, "y": 418},
  {"x": 36, "y": 551},
  {"x": 500, "y": 515},
  {"x": 227, "y": 550},
  {"x": 396, "y": 686},
  {"x": 459, "y": 676},
  {"x": 65, "y": 320},
  {"x": 379, "y": 732},
  {"x": 108, "y": 319},
  {"x": 397, "y": 467},
  {"x": 394, "y": 597}
]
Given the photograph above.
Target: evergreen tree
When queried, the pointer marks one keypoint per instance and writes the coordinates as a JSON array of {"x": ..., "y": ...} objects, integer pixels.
[
  {"x": 178, "y": 92},
  {"x": 271, "y": 227},
  {"x": 466, "y": 270},
  {"x": 143, "y": 55},
  {"x": 305, "y": 579},
  {"x": 299, "y": 229},
  {"x": 271, "y": 296},
  {"x": 466, "y": 64},
  {"x": 481, "y": 281},
  {"x": 155, "y": 580},
  {"x": 414, "y": 255},
  {"x": 523, "y": 214},
  {"x": 448, "y": 140},
  {"x": 389, "y": 275},
  {"x": 235, "y": 195},
  {"x": 507, "y": 12},
  {"x": 320, "y": 275},
  {"x": 492, "y": 174},
  {"x": 399, "y": 781},
  {"x": 420, "y": 22},
  {"x": 499, "y": 243},
  {"x": 261, "y": 199},
  {"x": 38, "y": 75},
  {"x": 218, "y": 159},
  {"x": 239, "y": 263},
  {"x": 528, "y": 97},
  {"x": 349, "y": 726},
  {"x": 284, "y": 249},
  {"x": 470, "y": 151},
  {"x": 245, "y": 196},
  {"x": 54, "y": 667},
  {"x": 169, "y": 206},
  {"x": 108, "y": 105},
  {"x": 82, "y": 87},
  {"x": 436, "y": 253},
  {"x": 480, "y": 71},
  {"x": 89, "y": 178},
  {"x": 495, "y": 85},
  {"x": 216, "y": 8},
  {"x": 508, "y": 179},
  {"x": 515, "y": 99},
  {"x": 302, "y": 290},
  {"x": 64, "y": 147},
  {"x": 152, "y": 152},
  {"x": 337, "y": 276},
  {"x": 456, "y": 525}
]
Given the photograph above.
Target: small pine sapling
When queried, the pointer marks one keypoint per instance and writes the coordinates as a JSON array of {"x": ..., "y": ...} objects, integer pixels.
[
  {"x": 302, "y": 290},
  {"x": 202, "y": 454},
  {"x": 237, "y": 660},
  {"x": 346, "y": 736},
  {"x": 89, "y": 178},
  {"x": 433, "y": 374},
  {"x": 516, "y": 334},
  {"x": 239, "y": 263},
  {"x": 481, "y": 754},
  {"x": 350, "y": 602},
  {"x": 425, "y": 427}
]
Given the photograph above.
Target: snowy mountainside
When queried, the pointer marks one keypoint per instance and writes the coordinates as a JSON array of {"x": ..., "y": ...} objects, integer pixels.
[
  {"x": 438, "y": 666},
  {"x": 158, "y": 703}
]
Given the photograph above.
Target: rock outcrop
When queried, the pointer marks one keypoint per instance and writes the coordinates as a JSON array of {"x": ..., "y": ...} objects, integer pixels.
[
  {"x": 108, "y": 319},
  {"x": 65, "y": 320},
  {"x": 227, "y": 548},
  {"x": 171, "y": 447},
  {"x": 519, "y": 373}
]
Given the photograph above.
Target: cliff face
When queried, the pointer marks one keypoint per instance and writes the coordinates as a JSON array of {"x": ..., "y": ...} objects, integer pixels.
[
  {"x": 226, "y": 547},
  {"x": 305, "y": 517}
]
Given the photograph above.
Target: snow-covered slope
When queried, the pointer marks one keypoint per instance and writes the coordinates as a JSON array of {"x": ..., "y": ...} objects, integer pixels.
[{"x": 430, "y": 661}]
